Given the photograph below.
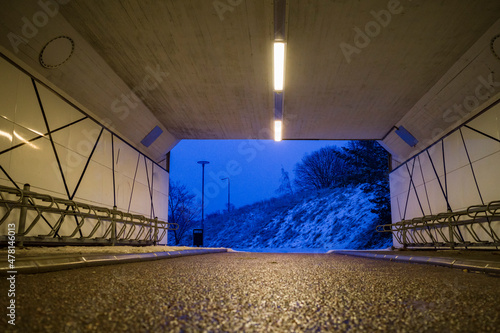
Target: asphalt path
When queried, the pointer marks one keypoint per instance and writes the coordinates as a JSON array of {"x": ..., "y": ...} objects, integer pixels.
[{"x": 255, "y": 292}]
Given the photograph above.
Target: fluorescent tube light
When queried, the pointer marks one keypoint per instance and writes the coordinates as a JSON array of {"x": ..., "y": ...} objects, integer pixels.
[
  {"x": 279, "y": 65},
  {"x": 277, "y": 130}
]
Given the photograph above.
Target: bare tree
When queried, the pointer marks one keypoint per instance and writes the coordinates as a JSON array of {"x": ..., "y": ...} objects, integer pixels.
[
  {"x": 182, "y": 209},
  {"x": 323, "y": 168}
]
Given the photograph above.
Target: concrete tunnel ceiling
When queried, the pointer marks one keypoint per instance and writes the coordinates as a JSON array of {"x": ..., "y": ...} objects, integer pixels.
[{"x": 204, "y": 68}]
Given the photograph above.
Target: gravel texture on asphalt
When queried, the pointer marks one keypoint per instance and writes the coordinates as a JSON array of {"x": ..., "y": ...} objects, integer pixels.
[{"x": 256, "y": 292}]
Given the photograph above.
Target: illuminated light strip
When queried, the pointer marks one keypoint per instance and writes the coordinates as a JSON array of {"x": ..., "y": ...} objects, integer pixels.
[
  {"x": 279, "y": 73},
  {"x": 280, "y": 13},
  {"x": 279, "y": 66},
  {"x": 277, "y": 130}
]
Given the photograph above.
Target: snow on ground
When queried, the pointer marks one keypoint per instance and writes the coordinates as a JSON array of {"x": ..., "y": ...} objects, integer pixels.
[{"x": 339, "y": 218}]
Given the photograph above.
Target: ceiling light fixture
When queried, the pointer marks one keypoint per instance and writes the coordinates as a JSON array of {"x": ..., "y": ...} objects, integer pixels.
[
  {"x": 279, "y": 66},
  {"x": 280, "y": 23},
  {"x": 278, "y": 124}
]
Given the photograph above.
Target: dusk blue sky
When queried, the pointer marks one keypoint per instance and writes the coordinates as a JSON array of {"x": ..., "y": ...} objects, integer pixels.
[{"x": 254, "y": 167}]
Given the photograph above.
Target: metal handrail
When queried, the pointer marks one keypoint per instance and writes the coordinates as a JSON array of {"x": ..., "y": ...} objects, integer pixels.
[
  {"x": 75, "y": 221},
  {"x": 469, "y": 228}
]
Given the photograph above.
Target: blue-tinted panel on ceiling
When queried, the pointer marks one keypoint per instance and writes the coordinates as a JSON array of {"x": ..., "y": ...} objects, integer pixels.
[
  {"x": 406, "y": 136},
  {"x": 152, "y": 136}
]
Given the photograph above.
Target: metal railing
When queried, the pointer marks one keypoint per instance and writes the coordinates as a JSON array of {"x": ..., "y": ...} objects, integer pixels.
[
  {"x": 44, "y": 219},
  {"x": 477, "y": 226}
]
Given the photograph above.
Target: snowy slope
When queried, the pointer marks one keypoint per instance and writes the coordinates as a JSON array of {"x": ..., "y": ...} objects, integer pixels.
[{"x": 337, "y": 218}]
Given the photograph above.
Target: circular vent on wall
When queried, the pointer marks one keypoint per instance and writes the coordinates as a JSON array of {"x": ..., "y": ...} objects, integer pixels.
[
  {"x": 495, "y": 46},
  {"x": 56, "y": 52}
]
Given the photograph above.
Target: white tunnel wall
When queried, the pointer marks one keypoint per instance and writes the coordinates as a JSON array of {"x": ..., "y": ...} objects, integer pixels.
[
  {"x": 460, "y": 170},
  {"x": 87, "y": 153}
]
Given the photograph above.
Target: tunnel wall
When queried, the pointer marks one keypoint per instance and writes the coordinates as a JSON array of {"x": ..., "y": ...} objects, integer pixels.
[
  {"x": 58, "y": 150},
  {"x": 460, "y": 170}
]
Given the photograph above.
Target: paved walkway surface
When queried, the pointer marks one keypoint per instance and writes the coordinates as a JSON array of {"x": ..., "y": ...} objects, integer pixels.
[
  {"x": 39, "y": 260},
  {"x": 46, "y": 259},
  {"x": 256, "y": 292}
]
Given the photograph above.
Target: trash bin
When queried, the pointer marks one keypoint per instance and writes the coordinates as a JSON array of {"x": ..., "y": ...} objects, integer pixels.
[{"x": 197, "y": 237}]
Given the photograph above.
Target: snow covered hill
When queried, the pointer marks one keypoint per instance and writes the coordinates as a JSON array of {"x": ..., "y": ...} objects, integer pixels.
[{"x": 338, "y": 218}]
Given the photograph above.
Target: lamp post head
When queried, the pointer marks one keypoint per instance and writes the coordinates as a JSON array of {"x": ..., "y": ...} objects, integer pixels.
[{"x": 203, "y": 162}]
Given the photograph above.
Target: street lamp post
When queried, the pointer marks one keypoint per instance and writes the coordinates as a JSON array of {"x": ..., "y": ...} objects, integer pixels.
[
  {"x": 228, "y": 193},
  {"x": 203, "y": 193}
]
